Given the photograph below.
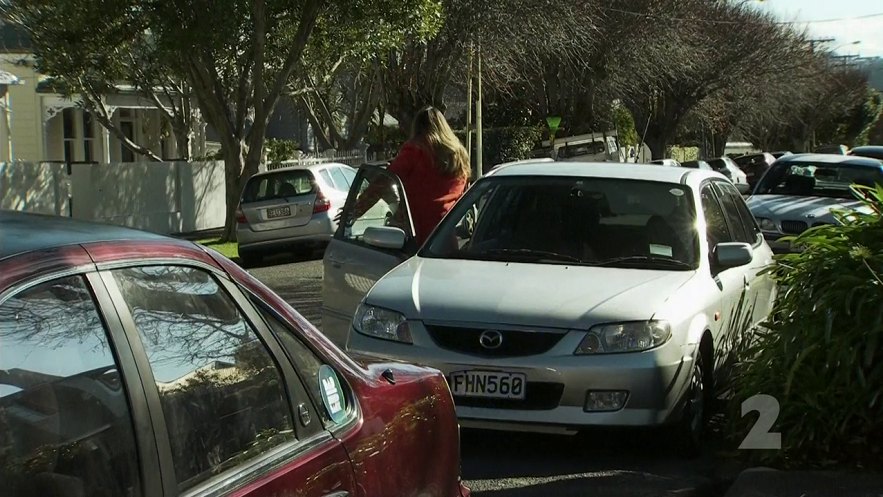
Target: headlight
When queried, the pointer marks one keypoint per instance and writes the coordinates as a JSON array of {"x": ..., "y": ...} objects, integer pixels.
[
  {"x": 766, "y": 224},
  {"x": 381, "y": 323},
  {"x": 624, "y": 337}
]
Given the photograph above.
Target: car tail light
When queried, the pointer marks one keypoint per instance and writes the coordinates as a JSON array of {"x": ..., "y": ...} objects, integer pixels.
[
  {"x": 322, "y": 203},
  {"x": 240, "y": 217}
]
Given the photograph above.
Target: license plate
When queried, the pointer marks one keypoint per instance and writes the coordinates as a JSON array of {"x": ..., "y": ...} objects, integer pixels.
[
  {"x": 278, "y": 212},
  {"x": 488, "y": 384}
]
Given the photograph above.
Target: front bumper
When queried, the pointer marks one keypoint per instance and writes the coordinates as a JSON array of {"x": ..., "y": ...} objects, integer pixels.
[{"x": 655, "y": 381}]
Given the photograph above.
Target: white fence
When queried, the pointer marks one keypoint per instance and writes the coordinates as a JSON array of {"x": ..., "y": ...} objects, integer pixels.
[
  {"x": 353, "y": 158},
  {"x": 163, "y": 197}
]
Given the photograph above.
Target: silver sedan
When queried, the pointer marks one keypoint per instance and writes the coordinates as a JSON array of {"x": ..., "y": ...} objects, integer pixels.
[{"x": 576, "y": 296}]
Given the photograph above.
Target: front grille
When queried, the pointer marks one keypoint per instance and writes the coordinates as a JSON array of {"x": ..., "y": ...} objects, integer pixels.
[
  {"x": 538, "y": 396},
  {"x": 793, "y": 227},
  {"x": 514, "y": 343}
]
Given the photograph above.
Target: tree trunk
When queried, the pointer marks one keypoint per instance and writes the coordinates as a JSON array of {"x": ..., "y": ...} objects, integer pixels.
[
  {"x": 657, "y": 143},
  {"x": 182, "y": 142},
  {"x": 234, "y": 162},
  {"x": 718, "y": 145}
]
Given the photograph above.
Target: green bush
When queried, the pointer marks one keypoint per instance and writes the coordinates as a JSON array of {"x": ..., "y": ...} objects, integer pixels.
[
  {"x": 506, "y": 144},
  {"x": 279, "y": 149},
  {"x": 821, "y": 354}
]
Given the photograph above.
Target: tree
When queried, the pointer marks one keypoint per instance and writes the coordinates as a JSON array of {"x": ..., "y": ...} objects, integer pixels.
[
  {"x": 240, "y": 55},
  {"x": 98, "y": 46},
  {"x": 710, "y": 47},
  {"x": 509, "y": 33}
]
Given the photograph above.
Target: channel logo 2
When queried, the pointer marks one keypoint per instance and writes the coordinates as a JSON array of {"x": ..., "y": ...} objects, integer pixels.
[{"x": 760, "y": 437}]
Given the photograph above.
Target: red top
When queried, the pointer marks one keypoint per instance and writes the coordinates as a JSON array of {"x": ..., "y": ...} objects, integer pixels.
[{"x": 430, "y": 193}]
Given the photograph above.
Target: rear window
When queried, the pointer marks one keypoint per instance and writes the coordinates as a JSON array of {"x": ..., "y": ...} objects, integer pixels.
[{"x": 279, "y": 185}]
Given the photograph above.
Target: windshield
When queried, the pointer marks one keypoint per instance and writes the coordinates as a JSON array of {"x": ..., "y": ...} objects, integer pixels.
[
  {"x": 817, "y": 180},
  {"x": 574, "y": 221}
]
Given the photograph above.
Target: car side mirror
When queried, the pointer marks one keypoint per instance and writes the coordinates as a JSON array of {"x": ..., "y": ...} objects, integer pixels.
[
  {"x": 743, "y": 188},
  {"x": 733, "y": 254},
  {"x": 385, "y": 237}
]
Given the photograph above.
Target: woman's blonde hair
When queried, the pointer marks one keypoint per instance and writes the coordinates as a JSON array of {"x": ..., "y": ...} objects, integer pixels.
[{"x": 431, "y": 127}]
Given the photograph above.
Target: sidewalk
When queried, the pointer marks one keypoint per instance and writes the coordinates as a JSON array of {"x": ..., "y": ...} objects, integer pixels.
[{"x": 765, "y": 482}]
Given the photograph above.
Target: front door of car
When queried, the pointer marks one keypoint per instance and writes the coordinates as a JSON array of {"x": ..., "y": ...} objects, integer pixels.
[
  {"x": 230, "y": 412},
  {"x": 351, "y": 265},
  {"x": 744, "y": 228},
  {"x": 732, "y": 283}
]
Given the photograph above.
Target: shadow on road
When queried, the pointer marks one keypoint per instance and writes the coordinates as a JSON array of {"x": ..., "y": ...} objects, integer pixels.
[
  {"x": 292, "y": 256},
  {"x": 602, "y": 462}
]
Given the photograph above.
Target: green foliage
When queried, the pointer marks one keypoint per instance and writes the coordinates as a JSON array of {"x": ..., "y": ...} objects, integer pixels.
[
  {"x": 820, "y": 355},
  {"x": 508, "y": 144},
  {"x": 625, "y": 126},
  {"x": 279, "y": 150},
  {"x": 868, "y": 117}
]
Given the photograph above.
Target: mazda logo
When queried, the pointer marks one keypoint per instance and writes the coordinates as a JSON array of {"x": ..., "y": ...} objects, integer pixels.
[{"x": 490, "y": 339}]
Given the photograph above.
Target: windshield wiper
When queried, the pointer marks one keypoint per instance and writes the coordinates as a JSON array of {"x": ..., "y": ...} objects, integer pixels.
[
  {"x": 644, "y": 260},
  {"x": 535, "y": 254}
]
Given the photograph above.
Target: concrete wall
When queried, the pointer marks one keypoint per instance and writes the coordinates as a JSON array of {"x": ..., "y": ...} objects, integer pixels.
[
  {"x": 164, "y": 197},
  {"x": 42, "y": 188}
]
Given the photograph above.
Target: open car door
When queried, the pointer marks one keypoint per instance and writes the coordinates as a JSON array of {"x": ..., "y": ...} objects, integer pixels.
[{"x": 374, "y": 235}]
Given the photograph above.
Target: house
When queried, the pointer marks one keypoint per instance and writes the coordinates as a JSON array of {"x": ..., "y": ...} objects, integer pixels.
[{"x": 44, "y": 126}]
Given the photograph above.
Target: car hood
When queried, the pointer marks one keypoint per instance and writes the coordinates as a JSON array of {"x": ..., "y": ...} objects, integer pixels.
[
  {"x": 541, "y": 295},
  {"x": 799, "y": 208}
]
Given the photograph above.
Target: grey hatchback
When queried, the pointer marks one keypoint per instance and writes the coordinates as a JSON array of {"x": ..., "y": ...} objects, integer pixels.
[{"x": 291, "y": 206}]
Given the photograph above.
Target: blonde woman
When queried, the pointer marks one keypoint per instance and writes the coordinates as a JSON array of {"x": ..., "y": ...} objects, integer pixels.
[{"x": 434, "y": 169}]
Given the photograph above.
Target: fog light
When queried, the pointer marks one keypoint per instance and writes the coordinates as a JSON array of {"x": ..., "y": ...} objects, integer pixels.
[{"x": 610, "y": 400}]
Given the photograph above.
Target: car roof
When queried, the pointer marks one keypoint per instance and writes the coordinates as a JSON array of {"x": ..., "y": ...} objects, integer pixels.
[
  {"x": 22, "y": 232},
  {"x": 617, "y": 170},
  {"x": 851, "y": 160},
  {"x": 869, "y": 148}
]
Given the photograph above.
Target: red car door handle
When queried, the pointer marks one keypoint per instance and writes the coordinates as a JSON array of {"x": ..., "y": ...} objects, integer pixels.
[{"x": 343, "y": 493}]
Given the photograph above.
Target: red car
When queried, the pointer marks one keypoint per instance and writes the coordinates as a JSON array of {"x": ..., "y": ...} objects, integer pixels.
[{"x": 133, "y": 364}]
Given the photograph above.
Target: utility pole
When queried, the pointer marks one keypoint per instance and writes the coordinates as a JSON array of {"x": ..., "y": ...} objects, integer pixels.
[
  {"x": 469, "y": 106},
  {"x": 479, "y": 165}
]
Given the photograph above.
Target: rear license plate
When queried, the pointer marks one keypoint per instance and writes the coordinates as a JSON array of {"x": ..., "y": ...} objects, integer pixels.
[
  {"x": 488, "y": 384},
  {"x": 278, "y": 212}
]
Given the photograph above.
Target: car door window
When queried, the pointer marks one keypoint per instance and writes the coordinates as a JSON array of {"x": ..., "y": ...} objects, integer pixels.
[
  {"x": 716, "y": 229},
  {"x": 741, "y": 223},
  {"x": 222, "y": 394},
  {"x": 340, "y": 181},
  {"x": 326, "y": 177},
  {"x": 65, "y": 424},
  {"x": 306, "y": 362},
  {"x": 350, "y": 175},
  {"x": 378, "y": 201}
]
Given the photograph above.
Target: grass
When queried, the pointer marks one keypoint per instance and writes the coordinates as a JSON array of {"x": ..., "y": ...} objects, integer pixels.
[{"x": 229, "y": 250}]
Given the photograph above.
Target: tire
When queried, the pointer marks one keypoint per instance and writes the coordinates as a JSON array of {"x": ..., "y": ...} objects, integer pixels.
[
  {"x": 249, "y": 258},
  {"x": 689, "y": 432}
]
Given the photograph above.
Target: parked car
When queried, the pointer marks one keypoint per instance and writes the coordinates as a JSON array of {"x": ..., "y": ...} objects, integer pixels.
[
  {"x": 728, "y": 168},
  {"x": 755, "y": 166},
  {"x": 780, "y": 154},
  {"x": 872, "y": 151},
  {"x": 697, "y": 164},
  {"x": 666, "y": 162},
  {"x": 135, "y": 364},
  {"x": 290, "y": 207},
  {"x": 801, "y": 190},
  {"x": 832, "y": 149},
  {"x": 580, "y": 296}
]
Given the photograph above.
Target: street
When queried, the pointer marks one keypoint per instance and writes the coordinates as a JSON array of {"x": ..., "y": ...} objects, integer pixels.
[{"x": 500, "y": 464}]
